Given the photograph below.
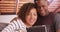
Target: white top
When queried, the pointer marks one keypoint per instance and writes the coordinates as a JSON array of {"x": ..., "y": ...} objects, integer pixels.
[{"x": 14, "y": 26}]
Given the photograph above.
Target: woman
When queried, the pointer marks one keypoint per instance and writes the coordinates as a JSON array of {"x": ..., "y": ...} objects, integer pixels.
[{"x": 27, "y": 17}]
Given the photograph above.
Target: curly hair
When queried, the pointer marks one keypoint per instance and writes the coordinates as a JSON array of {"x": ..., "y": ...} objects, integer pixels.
[{"x": 25, "y": 9}]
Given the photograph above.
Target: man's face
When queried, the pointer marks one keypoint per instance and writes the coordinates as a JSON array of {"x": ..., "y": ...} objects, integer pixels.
[{"x": 42, "y": 7}]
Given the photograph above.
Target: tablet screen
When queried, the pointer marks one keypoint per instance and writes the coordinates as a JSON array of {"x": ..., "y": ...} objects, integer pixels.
[{"x": 41, "y": 28}]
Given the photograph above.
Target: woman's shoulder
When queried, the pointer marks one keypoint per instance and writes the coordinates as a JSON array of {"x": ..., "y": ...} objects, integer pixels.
[
  {"x": 20, "y": 22},
  {"x": 15, "y": 19}
]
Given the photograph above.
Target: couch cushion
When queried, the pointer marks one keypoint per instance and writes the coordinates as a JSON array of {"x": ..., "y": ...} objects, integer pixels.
[{"x": 3, "y": 25}]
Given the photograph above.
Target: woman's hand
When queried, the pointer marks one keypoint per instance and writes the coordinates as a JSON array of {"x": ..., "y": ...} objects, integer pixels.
[{"x": 22, "y": 31}]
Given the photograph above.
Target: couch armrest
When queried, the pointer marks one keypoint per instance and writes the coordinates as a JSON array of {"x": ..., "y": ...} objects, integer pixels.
[{"x": 2, "y": 26}]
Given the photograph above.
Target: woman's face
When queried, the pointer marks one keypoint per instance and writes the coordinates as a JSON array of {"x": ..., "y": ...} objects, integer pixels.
[{"x": 31, "y": 17}]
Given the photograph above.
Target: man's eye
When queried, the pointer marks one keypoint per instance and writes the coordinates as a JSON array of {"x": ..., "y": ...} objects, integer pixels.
[
  {"x": 42, "y": 5},
  {"x": 39, "y": 6}
]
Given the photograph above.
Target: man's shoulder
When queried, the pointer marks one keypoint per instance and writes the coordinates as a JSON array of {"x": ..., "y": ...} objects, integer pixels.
[
  {"x": 51, "y": 15},
  {"x": 57, "y": 14}
]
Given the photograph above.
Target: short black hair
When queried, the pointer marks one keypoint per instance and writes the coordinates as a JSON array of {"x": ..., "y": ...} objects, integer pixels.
[{"x": 35, "y": 1}]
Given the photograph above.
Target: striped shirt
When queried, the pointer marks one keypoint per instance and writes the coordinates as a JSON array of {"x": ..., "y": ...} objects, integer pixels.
[{"x": 14, "y": 26}]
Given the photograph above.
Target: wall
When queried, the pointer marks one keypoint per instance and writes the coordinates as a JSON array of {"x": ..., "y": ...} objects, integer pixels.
[{"x": 6, "y": 18}]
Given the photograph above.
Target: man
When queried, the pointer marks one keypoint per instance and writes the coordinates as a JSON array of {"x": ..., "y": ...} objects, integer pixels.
[
  {"x": 45, "y": 17},
  {"x": 42, "y": 7}
]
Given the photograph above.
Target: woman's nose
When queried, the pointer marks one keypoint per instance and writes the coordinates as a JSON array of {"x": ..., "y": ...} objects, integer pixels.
[{"x": 32, "y": 16}]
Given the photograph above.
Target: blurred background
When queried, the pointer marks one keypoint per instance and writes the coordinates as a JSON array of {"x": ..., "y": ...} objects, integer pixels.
[{"x": 9, "y": 8}]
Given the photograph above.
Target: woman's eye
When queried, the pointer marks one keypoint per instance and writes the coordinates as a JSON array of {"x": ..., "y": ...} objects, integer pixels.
[
  {"x": 28, "y": 14},
  {"x": 35, "y": 14}
]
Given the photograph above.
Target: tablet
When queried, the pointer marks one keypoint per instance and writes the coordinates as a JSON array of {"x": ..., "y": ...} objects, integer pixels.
[{"x": 41, "y": 28}]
